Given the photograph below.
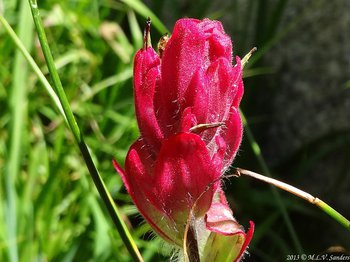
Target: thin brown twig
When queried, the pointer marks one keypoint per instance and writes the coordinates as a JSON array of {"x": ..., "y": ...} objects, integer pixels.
[
  {"x": 297, "y": 192},
  {"x": 284, "y": 186}
]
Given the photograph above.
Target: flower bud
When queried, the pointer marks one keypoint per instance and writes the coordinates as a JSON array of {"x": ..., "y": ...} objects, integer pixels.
[
  {"x": 193, "y": 83},
  {"x": 187, "y": 111}
]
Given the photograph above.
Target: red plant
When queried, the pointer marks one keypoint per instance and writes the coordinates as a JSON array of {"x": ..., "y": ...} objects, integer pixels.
[
  {"x": 193, "y": 83},
  {"x": 187, "y": 111}
]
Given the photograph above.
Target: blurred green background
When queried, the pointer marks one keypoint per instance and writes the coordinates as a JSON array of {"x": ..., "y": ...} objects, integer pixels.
[{"x": 296, "y": 102}]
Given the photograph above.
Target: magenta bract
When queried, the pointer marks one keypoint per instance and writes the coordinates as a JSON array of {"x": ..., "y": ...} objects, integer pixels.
[
  {"x": 187, "y": 111},
  {"x": 166, "y": 187},
  {"x": 194, "y": 83}
]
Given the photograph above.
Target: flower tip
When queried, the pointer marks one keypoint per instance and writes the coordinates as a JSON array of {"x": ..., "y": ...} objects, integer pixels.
[
  {"x": 248, "y": 238},
  {"x": 147, "y": 34},
  {"x": 117, "y": 167},
  {"x": 247, "y": 56},
  {"x": 250, "y": 232}
]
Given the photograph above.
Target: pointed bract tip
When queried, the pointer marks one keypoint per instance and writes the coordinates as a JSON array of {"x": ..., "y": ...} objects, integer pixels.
[
  {"x": 147, "y": 35},
  {"x": 118, "y": 168},
  {"x": 247, "y": 56}
]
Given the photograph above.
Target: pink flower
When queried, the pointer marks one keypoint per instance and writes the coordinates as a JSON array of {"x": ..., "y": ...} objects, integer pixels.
[
  {"x": 164, "y": 188},
  {"x": 187, "y": 111},
  {"x": 193, "y": 83}
]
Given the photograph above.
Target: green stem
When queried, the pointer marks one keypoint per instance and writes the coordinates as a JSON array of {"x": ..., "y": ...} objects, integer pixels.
[
  {"x": 333, "y": 213},
  {"x": 32, "y": 63},
  {"x": 193, "y": 253},
  {"x": 299, "y": 193},
  {"x": 106, "y": 197},
  {"x": 18, "y": 108}
]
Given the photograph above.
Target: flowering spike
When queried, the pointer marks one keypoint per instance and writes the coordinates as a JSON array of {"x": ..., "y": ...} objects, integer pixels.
[{"x": 186, "y": 101}]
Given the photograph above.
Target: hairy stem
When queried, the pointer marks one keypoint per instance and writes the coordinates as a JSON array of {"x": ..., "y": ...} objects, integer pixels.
[{"x": 299, "y": 193}]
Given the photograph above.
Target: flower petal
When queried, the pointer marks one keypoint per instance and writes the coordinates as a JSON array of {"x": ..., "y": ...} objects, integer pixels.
[
  {"x": 146, "y": 78},
  {"x": 197, "y": 96},
  {"x": 232, "y": 134},
  {"x": 237, "y": 82},
  {"x": 147, "y": 210},
  {"x": 183, "y": 56},
  {"x": 219, "y": 219},
  {"x": 227, "y": 240},
  {"x": 248, "y": 238},
  {"x": 183, "y": 173},
  {"x": 220, "y": 44},
  {"x": 136, "y": 179}
]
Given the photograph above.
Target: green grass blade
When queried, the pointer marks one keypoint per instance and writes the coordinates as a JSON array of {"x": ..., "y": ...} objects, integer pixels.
[
  {"x": 32, "y": 64},
  {"x": 18, "y": 105},
  {"x": 136, "y": 32},
  {"x": 108, "y": 82},
  {"x": 106, "y": 197}
]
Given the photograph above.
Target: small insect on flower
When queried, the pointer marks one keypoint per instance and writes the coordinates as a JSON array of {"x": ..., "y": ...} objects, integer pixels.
[{"x": 162, "y": 43}]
